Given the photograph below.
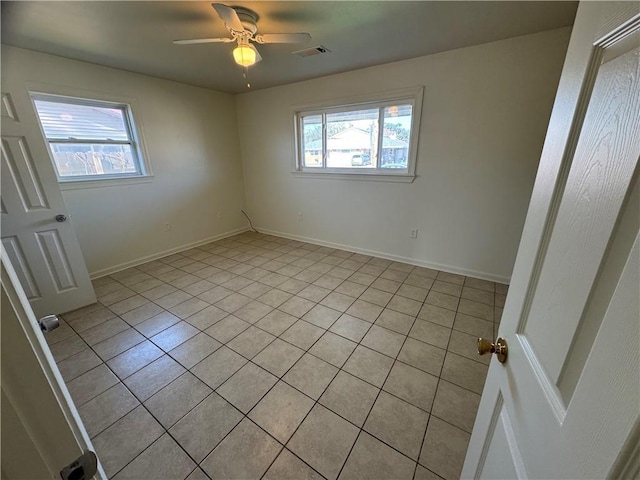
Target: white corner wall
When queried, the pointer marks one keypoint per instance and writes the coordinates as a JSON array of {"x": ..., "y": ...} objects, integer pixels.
[
  {"x": 485, "y": 114},
  {"x": 192, "y": 144}
]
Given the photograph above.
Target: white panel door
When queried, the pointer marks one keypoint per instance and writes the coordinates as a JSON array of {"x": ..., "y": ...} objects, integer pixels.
[
  {"x": 567, "y": 400},
  {"x": 44, "y": 252},
  {"x": 41, "y": 428}
]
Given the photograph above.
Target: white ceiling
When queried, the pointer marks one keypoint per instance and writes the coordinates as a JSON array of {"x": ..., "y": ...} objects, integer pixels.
[{"x": 137, "y": 36}]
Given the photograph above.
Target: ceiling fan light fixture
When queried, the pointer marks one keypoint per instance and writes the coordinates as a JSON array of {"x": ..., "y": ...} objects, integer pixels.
[
  {"x": 242, "y": 25},
  {"x": 244, "y": 55}
]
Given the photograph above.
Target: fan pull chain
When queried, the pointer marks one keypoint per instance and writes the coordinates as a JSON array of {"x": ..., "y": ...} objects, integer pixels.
[{"x": 245, "y": 75}]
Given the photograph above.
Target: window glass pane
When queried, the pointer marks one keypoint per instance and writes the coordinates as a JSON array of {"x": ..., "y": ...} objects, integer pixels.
[
  {"x": 74, "y": 159},
  {"x": 396, "y": 130},
  {"x": 367, "y": 138},
  {"x": 63, "y": 121},
  {"x": 352, "y": 139},
  {"x": 312, "y": 141}
]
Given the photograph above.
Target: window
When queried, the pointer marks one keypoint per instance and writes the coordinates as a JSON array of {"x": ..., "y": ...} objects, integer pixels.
[
  {"x": 89, "y": 139},
  {"x": 375, "y": 138}
]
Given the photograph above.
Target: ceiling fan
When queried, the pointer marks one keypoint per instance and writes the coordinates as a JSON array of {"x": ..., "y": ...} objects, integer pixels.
[{"x": 242, "y": 25}]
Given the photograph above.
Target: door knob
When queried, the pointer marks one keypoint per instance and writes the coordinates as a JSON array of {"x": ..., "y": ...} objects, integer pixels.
[
  {"x": 499, "y": 348},
  {"x": 61, "y": 218}
]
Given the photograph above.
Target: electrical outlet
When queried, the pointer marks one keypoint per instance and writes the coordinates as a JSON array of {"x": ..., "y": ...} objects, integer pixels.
[
  {"x": 300, "y": 217},
  {"x": 413, "y": 233},
  {"x": 219, "y": 214},
  {"x": 167, "y": 227}
]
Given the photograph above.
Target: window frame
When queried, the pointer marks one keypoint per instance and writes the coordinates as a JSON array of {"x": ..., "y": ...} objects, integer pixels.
[
  {"x": 410, "y": 96},
  {"x": 143, "y": 171}
]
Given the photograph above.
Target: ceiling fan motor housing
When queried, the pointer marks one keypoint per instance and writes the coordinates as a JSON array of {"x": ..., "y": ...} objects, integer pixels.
[{"x": 248, "y": 18}]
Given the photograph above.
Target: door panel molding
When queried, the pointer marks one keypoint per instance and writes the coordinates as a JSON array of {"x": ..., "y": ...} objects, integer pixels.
[
  {"x": 55, "y": 256},
  {"x": 7, "y": 110},
  {"x": 493, "y": 422},
  {"x": 606, "y": 382},
  {"x": 616, "y": 19},
  {"x": 512, "y": 441},
  {"x": 503, "y": 438},
  {"x": 23, "y": 174},
  {"x": 592, "y": 59},
  {"x": 19, "y": 262},
  {"x": 551, "y": 392},
  {"x": 599, "y": 180},
  {"x": 600, "y": 297},
  {"x": 627, "y": 465},
  {"x": 555, "y": 199}
]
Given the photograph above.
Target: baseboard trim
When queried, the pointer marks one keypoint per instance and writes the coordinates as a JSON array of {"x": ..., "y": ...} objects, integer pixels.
[
  {"x": 149, "y": 258},
  {"x": 389, "y": 256}
]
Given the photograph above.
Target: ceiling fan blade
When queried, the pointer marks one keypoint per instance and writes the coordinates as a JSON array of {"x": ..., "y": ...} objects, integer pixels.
[
  {"x": 283, "y": 38},
  {"x": 228, "y": 16},
  {"x": 203, "y": 40},
  {"x": 258, "y": 56}
]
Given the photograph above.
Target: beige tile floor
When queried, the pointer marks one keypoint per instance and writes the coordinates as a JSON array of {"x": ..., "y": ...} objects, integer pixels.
[{"x": 261, "y": 357}]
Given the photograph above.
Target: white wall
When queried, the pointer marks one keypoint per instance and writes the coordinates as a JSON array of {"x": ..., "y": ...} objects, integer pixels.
[
  {"x": 192, "y": 145},
  {"x": 485, "y": 114}
]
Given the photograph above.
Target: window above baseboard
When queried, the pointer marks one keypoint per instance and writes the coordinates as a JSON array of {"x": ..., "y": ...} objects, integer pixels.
[
  {"x": 90, "y": 141},
  {"x": 373, "y": 138}
]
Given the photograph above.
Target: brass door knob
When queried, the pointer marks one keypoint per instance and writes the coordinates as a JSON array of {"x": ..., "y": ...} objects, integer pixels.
[{"x": 499, "y": 348}]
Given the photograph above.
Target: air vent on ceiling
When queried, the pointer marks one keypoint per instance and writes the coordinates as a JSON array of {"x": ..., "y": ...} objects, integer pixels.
[{"x": 308, "y": 52}]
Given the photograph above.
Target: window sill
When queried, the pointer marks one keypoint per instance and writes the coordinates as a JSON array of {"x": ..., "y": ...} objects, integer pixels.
[
  {"x": 367, "y": 177},
  {"x": 105, "y": 182}
]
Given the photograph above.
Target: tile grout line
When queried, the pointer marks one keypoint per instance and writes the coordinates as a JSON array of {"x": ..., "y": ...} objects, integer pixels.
[
  {"x": 231, "y": 313},
  {"x": 424, "y": 437},
  {"x": 317, "y": 401},
  {"x": 380, "y": 390},
  {"x": 360, "y": 429},
  {"x": 299, "y": 318},
  {"x": 140, "y": 404},
  {"x": 165, "y": 352}
]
